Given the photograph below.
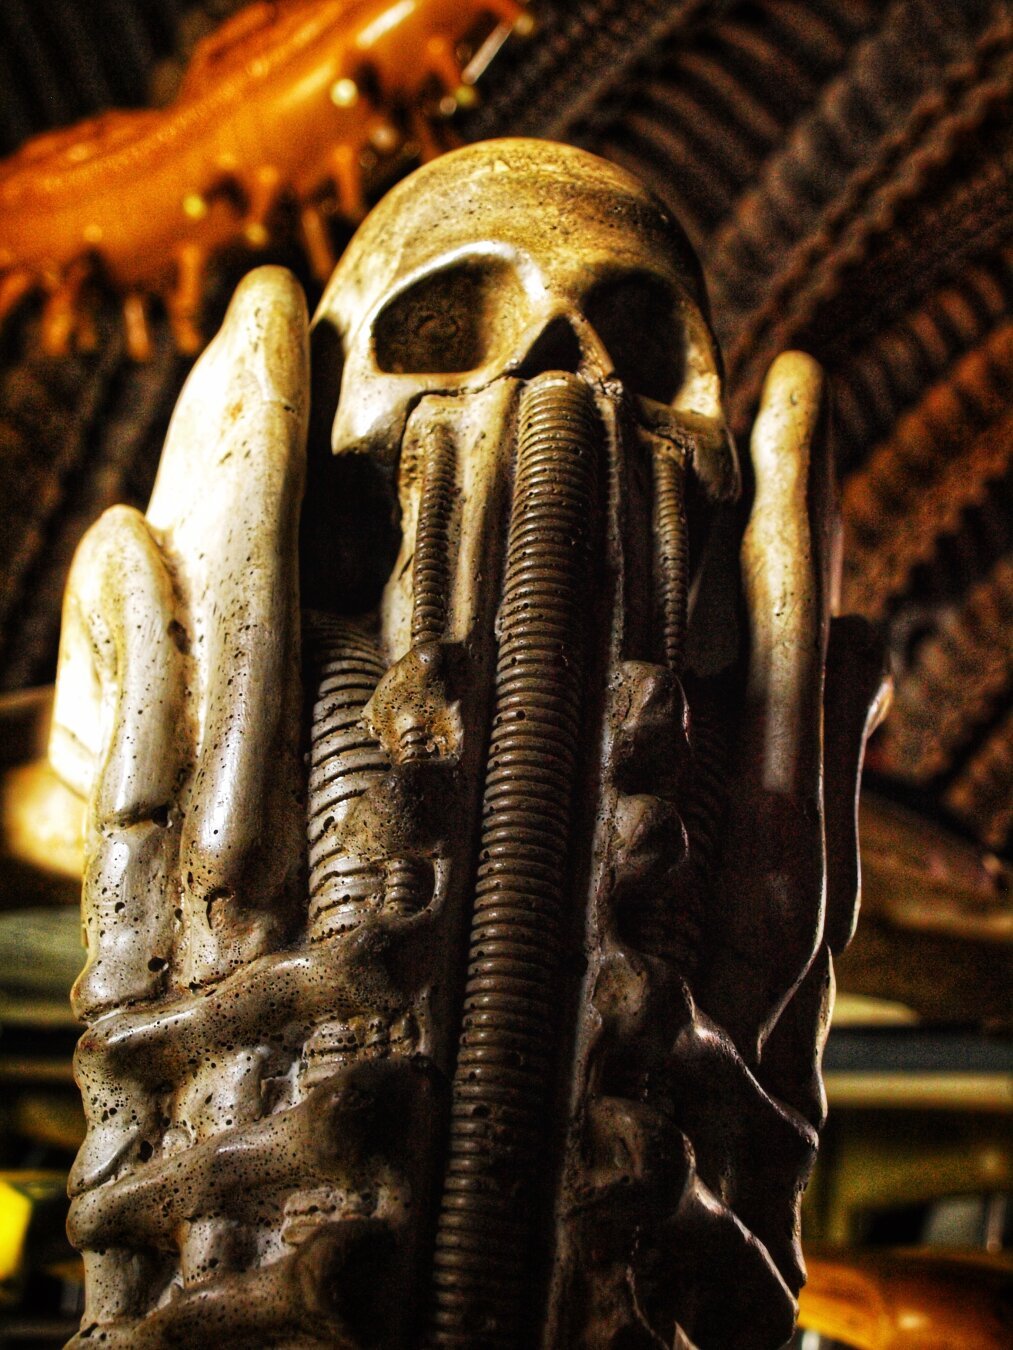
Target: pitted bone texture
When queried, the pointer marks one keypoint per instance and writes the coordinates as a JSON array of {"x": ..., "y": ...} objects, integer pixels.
[{"x": 255, "y": 1146}]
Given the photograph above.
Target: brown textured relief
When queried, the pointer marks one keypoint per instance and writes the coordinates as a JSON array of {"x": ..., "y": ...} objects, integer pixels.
[{"x": 473, "y": 990}]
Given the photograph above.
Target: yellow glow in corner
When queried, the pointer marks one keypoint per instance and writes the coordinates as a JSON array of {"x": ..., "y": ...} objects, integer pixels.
[{"x": 15, "y": 1216}]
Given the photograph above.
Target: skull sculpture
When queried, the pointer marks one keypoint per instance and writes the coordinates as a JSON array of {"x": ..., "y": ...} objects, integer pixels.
[{"x": 465, "y": 1095}]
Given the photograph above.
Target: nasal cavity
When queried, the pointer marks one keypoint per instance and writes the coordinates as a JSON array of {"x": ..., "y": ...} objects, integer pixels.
[{"x": 557, "y": 347}]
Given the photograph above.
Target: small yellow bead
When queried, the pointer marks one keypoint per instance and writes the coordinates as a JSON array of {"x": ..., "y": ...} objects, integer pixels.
[{"x": 344, "y": 93}]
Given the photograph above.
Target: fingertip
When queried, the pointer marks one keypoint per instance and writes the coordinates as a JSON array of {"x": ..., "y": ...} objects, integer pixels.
[
  {"x": 796, "y": 368},
  {"x": 117, "y": 712},
  {"x": 249, "y": 391},
  {"x": 271, "y": 286},
  {"x": 116, "y": 553},
  {"x": 267, "y": 330},
  {"x": 792, "y": 405}
]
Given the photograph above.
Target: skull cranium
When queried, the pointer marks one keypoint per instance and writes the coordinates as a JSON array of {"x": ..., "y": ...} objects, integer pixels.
[{"x": 512, "y": 258}]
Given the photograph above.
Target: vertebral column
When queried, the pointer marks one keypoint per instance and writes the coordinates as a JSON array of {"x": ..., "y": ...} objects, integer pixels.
[{"x": 498, "y": 1155}]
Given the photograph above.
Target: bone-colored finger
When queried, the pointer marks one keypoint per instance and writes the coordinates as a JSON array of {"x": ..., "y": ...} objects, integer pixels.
[
  {"x": 271, "y": 1000},
  {"x": 227, "y": 499},
  {"x": 154, "y": 652},
  {"x": 120, "y": 735},
  {"x": 117, "y": 715},
  {"x": 785, "y": 565},
  {"x": 771, "y": 901}
]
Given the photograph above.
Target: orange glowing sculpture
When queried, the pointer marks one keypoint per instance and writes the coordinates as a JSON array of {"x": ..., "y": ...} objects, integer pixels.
[{"x": 287, "y": 101}]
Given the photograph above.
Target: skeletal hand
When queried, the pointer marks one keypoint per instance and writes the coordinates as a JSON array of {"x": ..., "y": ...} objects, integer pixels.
[{"x": 221, "y": 1140}]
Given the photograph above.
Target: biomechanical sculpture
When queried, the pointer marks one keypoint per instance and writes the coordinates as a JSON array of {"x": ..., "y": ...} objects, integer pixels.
[{"x": 499, "y": 1025}]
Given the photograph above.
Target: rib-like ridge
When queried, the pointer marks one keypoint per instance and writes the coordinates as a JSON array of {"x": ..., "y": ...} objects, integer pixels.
[{"x": 345, "y": 760}]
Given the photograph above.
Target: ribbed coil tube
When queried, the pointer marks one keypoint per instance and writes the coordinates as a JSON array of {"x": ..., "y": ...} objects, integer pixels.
[
  {"x": 509, "y": 1026},
  {"x": 671, "y": 545},
  {"x": 345, "y": 760},
  {"x": 431, "y": 566}
]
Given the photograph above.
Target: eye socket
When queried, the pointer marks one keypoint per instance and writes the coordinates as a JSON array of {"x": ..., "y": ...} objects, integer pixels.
[
  {"x": 637, "y": 318},
  {"x": 447, "y": 322}
]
